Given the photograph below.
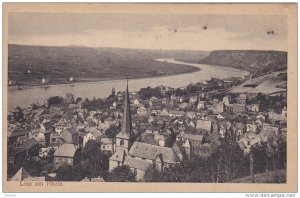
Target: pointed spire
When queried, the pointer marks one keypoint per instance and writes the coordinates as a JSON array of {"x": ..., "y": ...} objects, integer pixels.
[{"x": 126, "y": 124}]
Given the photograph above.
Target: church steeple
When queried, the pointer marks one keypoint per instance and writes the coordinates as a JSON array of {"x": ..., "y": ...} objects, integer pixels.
[
  {"x": 126, "y": 124},
  {"x": 125, "y": 138}
]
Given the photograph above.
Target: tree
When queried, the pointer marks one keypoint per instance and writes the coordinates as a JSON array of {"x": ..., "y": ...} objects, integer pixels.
[
  {"x": 153, "y": 175},
  {"x": 260, "y": 157},
  {"x": 70, "y": 98},
  {"x": 122, "y": 174},
  {"x": 112, "y": 131},
  {"x": 64, "y": 173},
  {"x": 94, "y": 161},
  {"x": 147, "y": 93},
  {"x": 18, "y": 115},
  {"x": 228, "y": 161},
  {"x": 55, "y": 100}
]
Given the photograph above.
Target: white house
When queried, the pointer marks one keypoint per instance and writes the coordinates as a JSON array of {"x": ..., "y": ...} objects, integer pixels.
[
  {"x": 92, "y": 135},
  {"x": 136, "y": 102}
]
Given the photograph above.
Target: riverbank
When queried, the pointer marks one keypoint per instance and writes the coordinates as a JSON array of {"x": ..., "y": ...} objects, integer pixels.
[
  {"x": 28, "y": 65},
  {"x": 101, "y": 89},
  {"x": 81, "y": 81}
]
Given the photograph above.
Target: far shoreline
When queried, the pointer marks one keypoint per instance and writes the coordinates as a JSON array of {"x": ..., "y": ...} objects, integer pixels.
[{"x": 91, "y": 81}]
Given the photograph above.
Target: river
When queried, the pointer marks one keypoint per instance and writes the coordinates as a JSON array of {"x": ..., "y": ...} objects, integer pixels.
[{"x": 102, "y": 89}]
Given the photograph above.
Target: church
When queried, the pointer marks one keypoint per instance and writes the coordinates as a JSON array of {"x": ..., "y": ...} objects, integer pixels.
[{"x": 139, "y": 156}]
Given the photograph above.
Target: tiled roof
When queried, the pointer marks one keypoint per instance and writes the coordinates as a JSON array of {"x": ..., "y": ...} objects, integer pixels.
[
  {"x": 20, "y": 175},
  {"x": 26, "y": 145},
  {"x": 65, "y": 150},
  {"x": 148, "y": 151},
  {"x": 119, "y": 155},
  {"x": 71, "y": 130},
  {"x": 190, "y": 136},
  {"x": 137, "y": 163},
  {"x": 106, "y": 141},
  {"x": 203, "y": 124},
  {"x": 96, "y": 133}
]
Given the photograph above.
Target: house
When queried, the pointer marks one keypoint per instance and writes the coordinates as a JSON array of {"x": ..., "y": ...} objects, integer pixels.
[
  {"x": 93, "y": 134},
  {"x": 266, "y": 127},
  {"x": 226, "y": 100},
  {"x": 155, "y": 102},
  {"x": 61, "y": 125},
  {"x": 148, "y": 137},
  {"x": 273, "y": 117},
  {"x": 248, "y": 141},
  {"x": 238, "y": 108},
  {"x": 204, "y": 126},
  {"x": 254, "y": 108},
  {"x": 106, "y": 144},
  {"x": 190, "y": 142},
  {"x": 142, "y": 111},
  {"x": 16, "y": 133},
  {"x": 239, "y": 128},
  {"x": 160, "y": 138},
  {"x": 38, "y": 135},
  {"x": 184, "y": 105},
  {"x": 24, "y": 151},
  {"x": 165, "y": 101},
  {"x": 23, "y": 175},
  {"x": 55, "y": 140},
  {"x": 215, "y": 102},
  {"x": 191, "y": 137},
  {"x": 162, "y": 157},
  {"x": 70, "y": 135},
  {"x": 173, "y": 102},
  {"x": 241, "y": 99},
  {"x": 46, "y": 127},
  {"x": 260, "y": 121},
  {"x": 251, "y": 127},
  {"x": 66, "y": 154},
  {"x": 136, "y": 102},
  {"x": 143, "y": 154},
  {"x": 138, "y": 166},
  {"x": 201, "y": 105},
  {"x": 164, "y": 112},
  {"x": 223, "y": 127},
  {"x": 219, "y": 108},
  {"x": 193, "y": 99},
  {"x": 176, "y": 113}
]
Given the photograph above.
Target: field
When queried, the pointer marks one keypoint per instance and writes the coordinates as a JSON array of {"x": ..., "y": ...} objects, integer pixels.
[
  {"x": 267, "y": 177},
  {"x": 267, "y": 84},
  {"x": 28, "y": 65}
]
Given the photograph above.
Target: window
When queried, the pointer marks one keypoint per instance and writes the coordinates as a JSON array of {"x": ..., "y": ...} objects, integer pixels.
[{"x": 121, "y": 142}]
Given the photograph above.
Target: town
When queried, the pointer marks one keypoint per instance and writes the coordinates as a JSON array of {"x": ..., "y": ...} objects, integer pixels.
[{"x": 202, "y": 132}]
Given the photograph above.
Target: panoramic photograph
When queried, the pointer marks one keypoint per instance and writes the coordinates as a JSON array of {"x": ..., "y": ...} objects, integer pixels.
[{"x": 141, "y": 97}]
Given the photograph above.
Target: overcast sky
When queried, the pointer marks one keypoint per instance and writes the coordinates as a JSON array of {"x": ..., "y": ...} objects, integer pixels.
[{"x": 180, "y": 32}]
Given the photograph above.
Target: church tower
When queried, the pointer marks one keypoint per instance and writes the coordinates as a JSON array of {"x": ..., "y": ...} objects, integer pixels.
[{"x": 124, "y": 139}]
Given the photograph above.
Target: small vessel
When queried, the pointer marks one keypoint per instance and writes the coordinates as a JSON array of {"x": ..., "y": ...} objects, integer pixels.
[{"x": 71, "y": 79}]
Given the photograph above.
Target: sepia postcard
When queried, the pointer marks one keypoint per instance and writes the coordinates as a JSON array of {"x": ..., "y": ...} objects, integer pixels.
[{"x": 149, "y": 97}]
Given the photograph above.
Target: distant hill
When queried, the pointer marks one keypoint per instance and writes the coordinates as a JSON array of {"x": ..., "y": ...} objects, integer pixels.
[
  {"x": 248, "y": 59},
  {"x": 91, "y": 64}
]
